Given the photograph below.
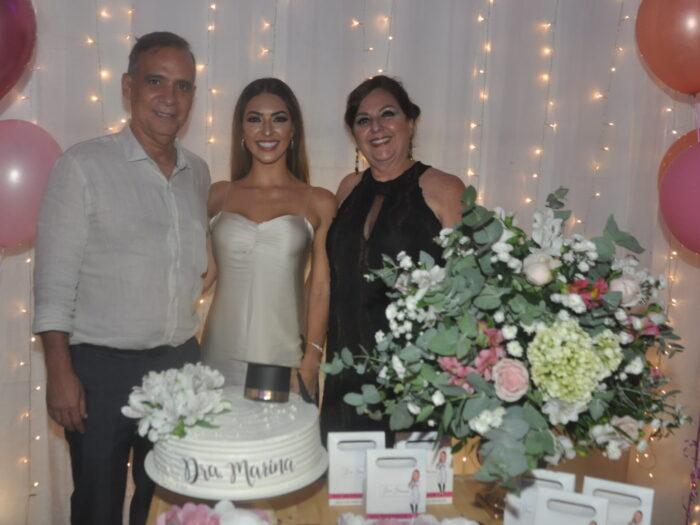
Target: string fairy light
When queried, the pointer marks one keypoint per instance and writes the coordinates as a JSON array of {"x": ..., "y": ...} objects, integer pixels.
[
  {"x": 209, "y": 138},
  {"x": 607, "y": 126},
  {"x": 476, "y": 128}
]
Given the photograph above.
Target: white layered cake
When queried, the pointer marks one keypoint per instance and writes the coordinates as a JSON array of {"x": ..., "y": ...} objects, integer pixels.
[{"x": 258, "y": 450}]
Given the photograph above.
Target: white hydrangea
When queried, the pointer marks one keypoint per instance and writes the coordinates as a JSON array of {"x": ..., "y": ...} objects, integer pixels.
[
  {"x": 561, "y": 412},
  {"x": 398, "y": 366},
  {"x": 487, "y": 420},
  {"x": 499, "y": 317}
]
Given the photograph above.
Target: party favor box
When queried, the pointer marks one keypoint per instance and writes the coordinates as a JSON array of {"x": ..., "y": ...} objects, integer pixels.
[
  {"x": 396, "y": 483},
  {"x": 520, "y": 509},
  {"x": 557, "y": 507},
  {"x": 346, "y": 465},
  {"x": 627, "y": 504},
  {"x": 440, "y": 478}
]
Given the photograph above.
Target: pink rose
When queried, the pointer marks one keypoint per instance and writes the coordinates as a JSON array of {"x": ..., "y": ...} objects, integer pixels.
[
  {"x": 189, "y": 514},
  {"x": 511, "y": 379},
  {"x": 629, "y": 290}
]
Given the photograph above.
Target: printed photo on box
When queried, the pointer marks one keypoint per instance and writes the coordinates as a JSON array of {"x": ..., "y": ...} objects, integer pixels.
[
  {"x": 396, "y": 483},
  {"x": 440, "y": 477}
]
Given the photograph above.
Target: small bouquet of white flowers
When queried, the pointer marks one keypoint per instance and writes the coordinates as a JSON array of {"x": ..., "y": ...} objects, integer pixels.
[
  {"x": 539, "y": 344},
  {"x": 169, "y": 402}
]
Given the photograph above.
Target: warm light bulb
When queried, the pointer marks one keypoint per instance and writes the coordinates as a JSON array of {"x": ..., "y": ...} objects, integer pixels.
[
  {"x": 211, "y": 140},
  {"x": 553, "y": 125},
  {"x": 37, "y": 388},
  {"x": 606, "y": 148},
  {"x": 528, "y": 200},
  {"x": 550, "y": 103},
  {"x": 472, "y": 147},
  {"x": 481, "y": 71},
  {"x": 380, "y": 70},
  {"x": 266, "y": 24},
  {"x": 104, "y": 13},
  {"x": 538, "y": 151},
  {"x": 545, "y": 26},
  {"x": 123, "y": 121},
  {"x": 470, "y": 172},
  {"x": 355, "y": 22},
  {"x": 36, "y": 484},
  {"x": 472, "y": 125},
  {"x": 620, "y": 49},
  {"x": 213, "y": 91},
  {"x": 104, "y": 74},
  {"x": 596, "y": 194},
  {"x": 487, "y": 47},
  {"x": 535, "y": 175},
  {"x": 212, "y": 7},
  {"x": 89, "y": 41},
  {"x": 597, "y": 95},
  {"x": 264, "y": 51},
  {"x": 483, "y": 95},
  {"x": 611, "y": 124},
  {"x": 210, "y": 119},
  {"x": 22, "y": 363},
  {"x": 626, "y": 17},
  {"x": 201, "y": 301},
  {"x": 211, "y": 27},
  {"x": 24, "y": 460},
  {"x": 32, "y": 339},
  {"x": 674, "y": 132},
  {"x": 613, "y": 69},
  {"x": 130, "y": 11},
  {"x": 674, "y": 252},
  {"x": 390, "y": 37},
  {"x": 579, "y": 221},
  {"x": 546, "y": 51},
  {"x": 669, "y": 109},
  {"x": 23, "y": 310},
  {"x": 200, "y": 67},
  {"x": 37, "y": 438},
  {"x": 545, "y": 77},
  {"x": 480, "y": 18},
  {"x": 369, "y": 49}
]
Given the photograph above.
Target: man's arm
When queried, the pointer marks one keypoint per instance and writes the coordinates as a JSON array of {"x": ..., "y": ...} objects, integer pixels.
[
  {"x": 60, "y": 243},
  {"x": 65, "y": 397}
]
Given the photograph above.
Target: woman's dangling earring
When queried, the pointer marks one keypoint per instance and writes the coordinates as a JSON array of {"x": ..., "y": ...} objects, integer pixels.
[
  {"x": 243, "y": 143},
  {"x": 291, "y": 142},
  {"x": 410, "y": 150},
  {"x": 357, "y": 161}
]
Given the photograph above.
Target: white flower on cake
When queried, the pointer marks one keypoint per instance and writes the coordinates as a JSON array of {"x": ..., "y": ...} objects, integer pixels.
[{"x": 169, "y": 402}]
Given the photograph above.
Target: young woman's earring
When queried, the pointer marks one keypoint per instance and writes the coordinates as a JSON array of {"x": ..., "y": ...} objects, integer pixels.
[{"x": 357, "y": 161}]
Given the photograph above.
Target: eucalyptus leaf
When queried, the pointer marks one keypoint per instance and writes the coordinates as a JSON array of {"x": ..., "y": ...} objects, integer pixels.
[
  {"x": 534, "y": 417},
  {"x": 605, "y": 248},
  {"x": 354, "y": 399},
  {"x": 410, "y": 353},
  {"x": 480, "y": 385},
  {"x": 597, "y": 408},
  {"x": 400, "y": 418},
  {"x": 443, "y": 343},
  {"x": 489, "y": 233},
  {"x": 474, "y": 407},
  {"x": 347, "y": 357},
  {"x": 425, "y": 413},
  {"x": 370, "y": 394}
]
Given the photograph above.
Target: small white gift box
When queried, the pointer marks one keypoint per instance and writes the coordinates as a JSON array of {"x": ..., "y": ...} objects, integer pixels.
[
  {"x": 520, "y": 509},
  {"x": 440, "y": 478},
  {"x": 346, "y": 465},
  {"x": 396, "y": 483},
  {"x": 557, "y": 507},
  {"x": 627, "y": 504}
]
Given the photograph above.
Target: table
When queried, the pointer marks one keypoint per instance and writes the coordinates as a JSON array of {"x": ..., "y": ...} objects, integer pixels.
[{"x": 309, "y": 506}]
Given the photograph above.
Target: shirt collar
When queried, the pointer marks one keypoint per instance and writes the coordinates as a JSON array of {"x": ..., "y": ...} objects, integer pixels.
[{"x": 134, "y": 150}]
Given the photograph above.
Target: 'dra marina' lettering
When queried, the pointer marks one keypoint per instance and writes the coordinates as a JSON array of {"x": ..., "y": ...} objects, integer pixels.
[
  {"x": 263, "y": 470},
  {"x": 195, "y": 470}
]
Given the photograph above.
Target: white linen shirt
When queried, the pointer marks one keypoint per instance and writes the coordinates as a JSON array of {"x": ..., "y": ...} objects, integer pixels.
[{"x": 121, "y": 249}]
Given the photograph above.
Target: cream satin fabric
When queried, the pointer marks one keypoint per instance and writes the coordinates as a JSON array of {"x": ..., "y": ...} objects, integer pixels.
[{"x": 257, "y": 312}]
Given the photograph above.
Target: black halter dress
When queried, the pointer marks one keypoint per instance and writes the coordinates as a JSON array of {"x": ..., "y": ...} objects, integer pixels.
[{"x": 376, "y": 218}]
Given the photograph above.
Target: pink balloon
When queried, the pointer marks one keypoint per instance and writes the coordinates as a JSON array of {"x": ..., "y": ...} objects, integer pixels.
[
  {"x": 679, "y": 196},
  {"x": 27, "y": 154},
  {"x": 17, "y": 39}
]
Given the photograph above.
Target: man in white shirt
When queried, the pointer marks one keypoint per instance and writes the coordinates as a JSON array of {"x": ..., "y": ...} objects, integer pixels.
[{"x": 120, "y": 254}]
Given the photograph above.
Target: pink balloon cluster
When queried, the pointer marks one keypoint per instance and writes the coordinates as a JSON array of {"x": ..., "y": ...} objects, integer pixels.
[
  {"x": 668, "y": 38},
  {"x": 27, "y": 154}
]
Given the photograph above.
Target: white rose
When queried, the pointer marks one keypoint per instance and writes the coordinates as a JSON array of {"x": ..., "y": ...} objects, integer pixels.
[
  {"x": 514, "y": 348},
  {"x": 629, "y": 288},
  {"x": 413, "y": 409},
  {"x": 635, "y": 367},
  {"x": 509, "y": 332},
  {"x": 499, "y": 317},
  {"x": 438, "y": 398}
]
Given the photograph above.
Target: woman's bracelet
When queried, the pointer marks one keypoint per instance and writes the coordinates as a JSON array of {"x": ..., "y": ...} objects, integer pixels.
[{"x": 315, "y": 345}]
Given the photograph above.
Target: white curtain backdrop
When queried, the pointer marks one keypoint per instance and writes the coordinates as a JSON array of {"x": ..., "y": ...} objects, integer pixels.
[{"x": 519, "y": 97}]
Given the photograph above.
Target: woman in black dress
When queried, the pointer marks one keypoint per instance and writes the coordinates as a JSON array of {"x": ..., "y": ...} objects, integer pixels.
[{"x": 396, "y": 204}]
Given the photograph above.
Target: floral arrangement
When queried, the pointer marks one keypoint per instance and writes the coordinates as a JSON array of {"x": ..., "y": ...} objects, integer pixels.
[
  {"x": 424, "y": 519},
  {"x": 169, "y": 402},
  {"x": 223, "y": 513},
  {"x": 539, "y": 344}
]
